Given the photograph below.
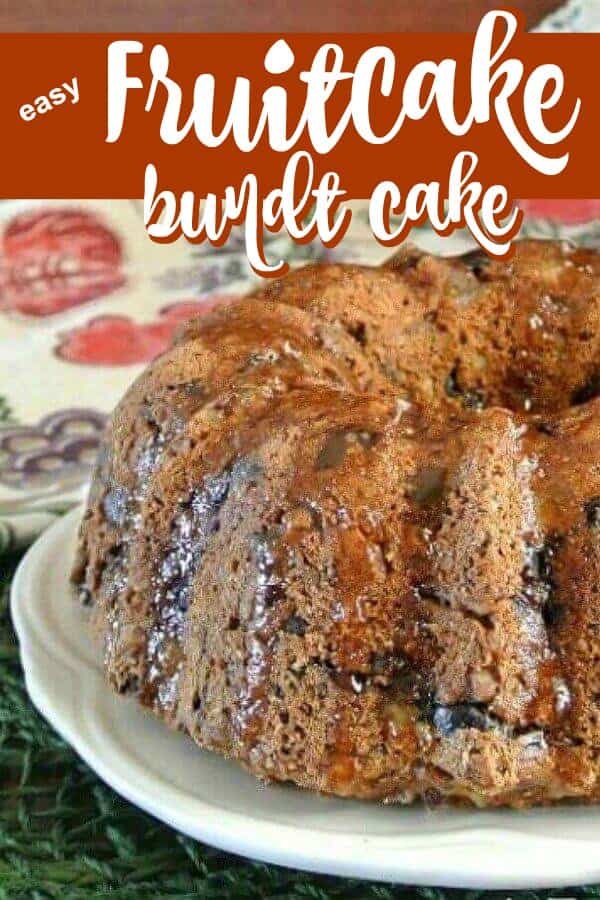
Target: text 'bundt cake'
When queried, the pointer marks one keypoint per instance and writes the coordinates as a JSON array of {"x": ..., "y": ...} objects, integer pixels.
[{"x": 347, "y": 530}]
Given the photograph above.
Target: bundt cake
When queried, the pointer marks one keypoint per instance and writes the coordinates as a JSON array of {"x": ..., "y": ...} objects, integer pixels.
[{"x": 346, "y": 530}]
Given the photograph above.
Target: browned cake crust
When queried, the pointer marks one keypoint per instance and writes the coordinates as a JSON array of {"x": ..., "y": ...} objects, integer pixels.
[{"x": 347, "y": 531}]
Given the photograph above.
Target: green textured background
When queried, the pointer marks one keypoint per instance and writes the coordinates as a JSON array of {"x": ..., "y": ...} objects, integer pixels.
[{"x": 63, "y": 833}]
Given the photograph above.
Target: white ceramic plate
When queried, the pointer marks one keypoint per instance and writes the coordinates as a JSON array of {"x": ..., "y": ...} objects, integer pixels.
[{"x": 213, "y": 800}]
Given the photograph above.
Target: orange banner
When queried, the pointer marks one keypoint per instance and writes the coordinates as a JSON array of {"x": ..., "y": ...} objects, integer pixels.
[{"x": 55, "y": 111}]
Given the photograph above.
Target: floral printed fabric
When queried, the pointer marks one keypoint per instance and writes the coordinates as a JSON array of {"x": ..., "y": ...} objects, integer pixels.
[
  {"x": 576, "y": 15},
  {"x": 87, "y": 300}
]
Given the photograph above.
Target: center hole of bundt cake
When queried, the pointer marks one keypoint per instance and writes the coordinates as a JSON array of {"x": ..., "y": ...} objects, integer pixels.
[
  {"x": 588, "y": 391},
  {"x": 525, "y": 338},
  {"x": 530, "y": 390}
]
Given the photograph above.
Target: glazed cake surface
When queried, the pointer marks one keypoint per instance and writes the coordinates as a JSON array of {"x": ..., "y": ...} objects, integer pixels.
[{"x": 346, "y": 530}]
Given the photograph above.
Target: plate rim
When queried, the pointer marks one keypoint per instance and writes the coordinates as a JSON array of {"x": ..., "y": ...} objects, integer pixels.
[{"x": 518, "y": 860}]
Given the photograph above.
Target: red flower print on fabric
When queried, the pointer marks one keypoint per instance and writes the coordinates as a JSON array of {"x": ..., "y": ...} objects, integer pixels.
[
  {"x": 54, "y": 259},
  {"x": 116, "y": 340}
]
